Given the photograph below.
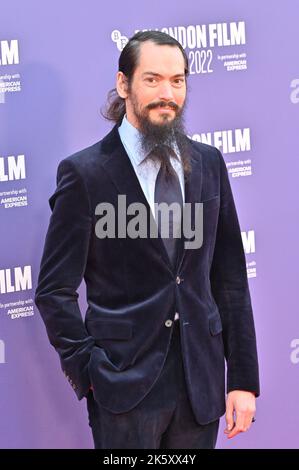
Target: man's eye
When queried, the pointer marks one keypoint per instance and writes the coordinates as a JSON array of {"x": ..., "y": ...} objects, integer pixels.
[
  {"x": 151, "y": 80},
  {"x": 179, "y": 81}
]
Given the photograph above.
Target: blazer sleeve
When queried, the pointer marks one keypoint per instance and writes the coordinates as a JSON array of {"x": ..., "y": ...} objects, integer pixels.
[
  {"x": 61, "y": 271},
  {"x": 230, "y": 290}
]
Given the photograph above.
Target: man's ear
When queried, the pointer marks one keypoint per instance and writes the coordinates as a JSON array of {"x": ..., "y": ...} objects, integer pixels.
[{"x": 122, "y": 85}]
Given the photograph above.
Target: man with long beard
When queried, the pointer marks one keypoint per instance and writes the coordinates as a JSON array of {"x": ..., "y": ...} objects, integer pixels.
[{"x": 162, "y": 315}]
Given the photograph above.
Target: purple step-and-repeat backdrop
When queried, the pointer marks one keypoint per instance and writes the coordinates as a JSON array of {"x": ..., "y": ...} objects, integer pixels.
[{"x": 57, "y": 62}]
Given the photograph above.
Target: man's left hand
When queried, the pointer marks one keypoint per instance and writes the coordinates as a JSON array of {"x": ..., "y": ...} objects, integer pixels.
[{"x": 243, "y": 404}]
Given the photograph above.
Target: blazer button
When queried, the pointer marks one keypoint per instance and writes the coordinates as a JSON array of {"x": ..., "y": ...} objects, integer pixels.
[
  {"x": 168, "y": 323},
  {"x": 178, "y": 280}
]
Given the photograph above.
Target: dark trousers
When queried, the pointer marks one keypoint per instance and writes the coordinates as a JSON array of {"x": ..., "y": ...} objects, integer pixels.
[{"x": 162, "y": 420}]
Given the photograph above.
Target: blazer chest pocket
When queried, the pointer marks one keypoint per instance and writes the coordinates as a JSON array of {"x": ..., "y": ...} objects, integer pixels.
[{"x": 110, "y": 329}]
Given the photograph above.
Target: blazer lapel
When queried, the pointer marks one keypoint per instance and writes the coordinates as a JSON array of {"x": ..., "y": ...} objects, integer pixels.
[{"x": 193, "y": 190}]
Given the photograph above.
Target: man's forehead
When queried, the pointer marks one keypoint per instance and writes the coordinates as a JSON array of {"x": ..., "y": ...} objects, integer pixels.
[{"x": 152, "y": 55}]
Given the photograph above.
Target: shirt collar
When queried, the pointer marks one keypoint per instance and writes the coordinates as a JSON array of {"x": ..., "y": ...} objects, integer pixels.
[{"x": 130, "y": 135}]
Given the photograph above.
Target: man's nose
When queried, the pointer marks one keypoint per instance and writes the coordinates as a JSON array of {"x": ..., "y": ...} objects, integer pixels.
[{"x": 165, "y": 91}]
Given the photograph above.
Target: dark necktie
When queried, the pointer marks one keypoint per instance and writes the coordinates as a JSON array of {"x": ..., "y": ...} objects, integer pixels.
[{"x": 168, "y": 190}]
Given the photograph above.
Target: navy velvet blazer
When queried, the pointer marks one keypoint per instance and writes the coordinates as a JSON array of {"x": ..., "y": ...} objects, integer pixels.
[{"x": 121, "y": 345}]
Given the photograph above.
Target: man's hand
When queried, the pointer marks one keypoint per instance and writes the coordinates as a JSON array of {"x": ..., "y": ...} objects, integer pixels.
[{"x": 243, "y": 404}]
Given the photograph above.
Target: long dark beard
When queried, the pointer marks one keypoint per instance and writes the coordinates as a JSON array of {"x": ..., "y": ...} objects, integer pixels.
[{"x": 156, "y": 139}]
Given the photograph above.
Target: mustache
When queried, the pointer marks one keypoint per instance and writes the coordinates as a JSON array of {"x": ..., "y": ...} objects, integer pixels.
[{"x": 163, "y": 104}]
